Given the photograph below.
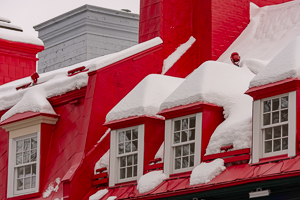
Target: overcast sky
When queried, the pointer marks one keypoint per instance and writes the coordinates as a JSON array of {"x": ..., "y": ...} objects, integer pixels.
[{"x": 28, "y": 13}]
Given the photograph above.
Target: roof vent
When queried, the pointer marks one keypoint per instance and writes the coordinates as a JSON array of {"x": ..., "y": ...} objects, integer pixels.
[
  {"x": 235, "y": 58},
  {"x": 77, "y": 70},
  {"x": 34, "y": 78}
]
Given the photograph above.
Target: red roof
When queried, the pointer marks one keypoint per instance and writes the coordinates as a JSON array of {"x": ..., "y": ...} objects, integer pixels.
[{"x": 233, "y": 175}]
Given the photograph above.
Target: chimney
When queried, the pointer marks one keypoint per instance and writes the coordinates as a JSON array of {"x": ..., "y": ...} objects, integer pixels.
[
  {"x": 17, "y": 53},
  {"x": 85, "y": 33}
]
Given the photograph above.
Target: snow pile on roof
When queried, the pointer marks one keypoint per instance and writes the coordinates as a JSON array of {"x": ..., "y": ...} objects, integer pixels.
[
  {"x": 16, "y": 36},
  {"x": 98, "y": 195},
  {"x": 149, "y": 181},
  {"x": 160, "y": 152},
  {"x": 205, "y": 172},
  {"x": 112, "y": 198},
  {"x": 57, "y": 82},
  {"x": 102, "y": 162},
  {"x": 104, "y": 135},
  {"x": 172, "y": 59},
  {"x": 269, "y": 31},
  {"x": 51, "y": 188},
  {"x": 223, "y": 85},
  {"x": 145, "y": 98},
  {"x": 285, "y": 65},
  {"x": 114, "y": 57},
  {"x": 34, "y": 100}
]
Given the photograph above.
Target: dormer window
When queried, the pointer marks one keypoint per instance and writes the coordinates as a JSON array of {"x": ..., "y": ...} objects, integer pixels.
[
  {"x": 275, "y": 125},
  {"x": 184, "y": 143}
]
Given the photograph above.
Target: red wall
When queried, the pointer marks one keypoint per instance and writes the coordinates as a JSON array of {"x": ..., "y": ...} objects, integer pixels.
[{"x": 17, "y": 60}]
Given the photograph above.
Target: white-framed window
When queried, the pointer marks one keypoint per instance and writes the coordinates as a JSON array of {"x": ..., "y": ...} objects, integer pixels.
[
  {"x": 127, "y": 153},
  {"x": 182, "y": 143},
  {"x": 274, "y": 126},
  {"x": 24, "y": 163}
]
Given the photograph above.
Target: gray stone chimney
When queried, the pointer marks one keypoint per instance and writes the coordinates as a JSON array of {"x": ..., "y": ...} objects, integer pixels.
[{"x": 85, "y": 33}]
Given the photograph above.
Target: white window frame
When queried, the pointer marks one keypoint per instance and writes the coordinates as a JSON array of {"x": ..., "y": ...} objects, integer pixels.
[
  {"x": 11, "y": 186},
  {"x": 258, "y": 138},
  {"x": 169, "y": 161},
  {"x": 114, "y": 157}
]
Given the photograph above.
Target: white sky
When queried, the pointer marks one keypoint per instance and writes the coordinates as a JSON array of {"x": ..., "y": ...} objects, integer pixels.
[{"x": 28, "y": 13}]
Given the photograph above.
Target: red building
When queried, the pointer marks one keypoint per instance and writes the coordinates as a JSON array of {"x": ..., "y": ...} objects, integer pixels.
[{"x": 209, "y": 138}]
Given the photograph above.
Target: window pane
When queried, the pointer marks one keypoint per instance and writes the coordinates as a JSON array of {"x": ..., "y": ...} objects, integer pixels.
[
  {"x": 285, "y": 130},
  {"x": 26, "y": 144},
  {"x": 121, "y": 136},
  {"x": 27, "y": 170},
  {"x": 184, "y": 124},
  {"x": 177, "y": 125},
  {"x": 26, "y": 155},
  {"x": 184, "y": 136},
  {"x": 267, "y": 106},
  {"x": 129, "y": 160},
  {"x": 284, "y": 102},
  {"x": 192, "y": 122},
  {"x": 192, "y": 134},
  {"x": 20, "y": 184},
  {"x": 134, "y": 145},
  {"x": 191, "y": 161},
  {"x": 277, "y": 145},
  {"x": 33, "y": 182},
  {"x": 266, "y": 119},
  {"x": 268, "y": 146},
  {"x": 275, "y": 104},
  {"x": 176, "y": 137},
  {"x": 134, "y": 134},
  {"x": 135, "y": 158},
  {"x": 121, "y": 148},
  {"x": 129, "y": 172},
  {"x": 268, "y": 133},
  {"x": 128, "y": 135},
  {"x": 27, "y": 183},
  {"x": 185, "y": 162},
  {"x": 33, "y": 155},
  {"x": 275, "y": 117},
  {"x": 20, "y": 172},
  {"x": 135, "y": 171},
  {"x": 123, "y": 161},
  {"x": 127, "y": 147},
  {"x": 177, "y": 163},
  {"x": 277, "y": 131},
  {"x": 178, "y": 151},
  {"x": 284, "y": 143},
  {"x": 186, "y": 149},
  {"x": 33, "y": 143},
  {"x": 34, "y": 169},
  {"x": 192, "y": 148},
  {"x": 122, "y": 173},
  {"x": 19, "y": 158},
  {"x": 19, "y": 146},
  {"x": 284, "y": 115}
]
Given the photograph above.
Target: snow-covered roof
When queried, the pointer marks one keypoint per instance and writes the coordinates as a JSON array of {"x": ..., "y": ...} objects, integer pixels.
[
  {"x": 285, "y": 65},
  {"x": 223, "y": 85},
  {"x": 57, "y": 82},
  {"x": 145, "y": 98},
  {"x": 14, "y": 33},
  {"x": 271, "y": 29}
]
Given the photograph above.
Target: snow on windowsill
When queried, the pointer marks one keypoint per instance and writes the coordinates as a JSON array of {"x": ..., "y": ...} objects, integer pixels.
[
  {"x": 98, "y": 195},
  {"x": 149, "y": 181}
]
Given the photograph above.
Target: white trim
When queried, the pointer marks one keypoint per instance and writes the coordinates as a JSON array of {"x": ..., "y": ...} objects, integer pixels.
[
  {"x": 114, "y": 161},
  {"x": 257, "y": 143},
  {"x": 11, "y": 166},
  {"x": 169, "y": 147},
  {"x": 292, "y": 123}
]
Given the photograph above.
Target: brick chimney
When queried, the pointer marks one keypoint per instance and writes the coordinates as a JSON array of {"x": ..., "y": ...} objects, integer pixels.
[{"x": 17, "y": 53}]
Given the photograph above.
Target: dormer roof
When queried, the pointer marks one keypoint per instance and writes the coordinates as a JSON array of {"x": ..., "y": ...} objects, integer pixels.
[{"x": 145, "y": 98}]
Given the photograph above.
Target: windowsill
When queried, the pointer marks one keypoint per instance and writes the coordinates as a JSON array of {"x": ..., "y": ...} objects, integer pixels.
[
  {"x": 179, "y": 175},
  {"x": 271, "y": 159},
  {"x": 125, "y": 184},
  {"x": 25, "y": 196}
]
